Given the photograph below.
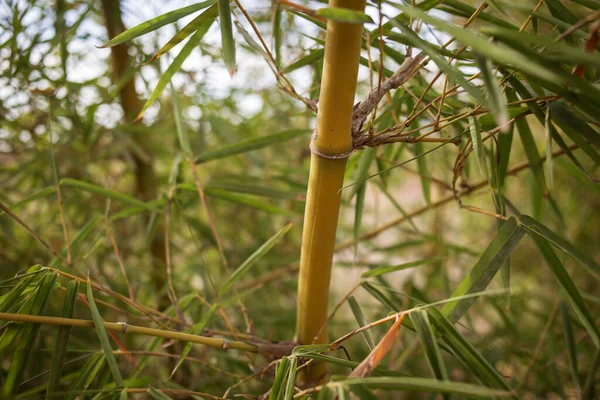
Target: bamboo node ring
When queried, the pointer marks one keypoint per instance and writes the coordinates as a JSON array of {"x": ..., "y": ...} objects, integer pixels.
[
  {"x": 124, "y": 326},
  {"x": 329, "y": 156}
]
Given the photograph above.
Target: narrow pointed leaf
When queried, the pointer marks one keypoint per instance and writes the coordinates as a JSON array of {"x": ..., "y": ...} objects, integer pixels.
[
  {"x": 207, "y": 19},
  {"x": 565, "y": 281},
  {"x": 387, "y": 269},
  {"x": 486, "y": 268},
  {"x": 250, "y": 145},
  {"x": 103, "y": 337},
  {"x": 495, "y": 100},
  {"x": 102, "y": 192},
  {"x": 227, "y": 41},
  {"x": 534, "y": 226},
  {"x": 570, "y": 341},
  {"x": 360, "y": 320},
  {"x": 59, "y": 352},
  {"x": 155, "y": 23},
  {"x": 254, "y": 258}
]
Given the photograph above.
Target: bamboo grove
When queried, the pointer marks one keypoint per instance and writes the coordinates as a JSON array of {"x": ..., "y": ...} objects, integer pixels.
[{"x": 299, "y": 200}]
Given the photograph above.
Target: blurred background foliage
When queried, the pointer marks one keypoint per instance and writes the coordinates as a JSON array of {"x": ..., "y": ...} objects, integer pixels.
[{"x": 65, "y": 117}]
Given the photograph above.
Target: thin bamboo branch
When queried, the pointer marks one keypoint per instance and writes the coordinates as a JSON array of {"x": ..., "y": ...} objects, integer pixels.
[{"x": 271, "y": 349}]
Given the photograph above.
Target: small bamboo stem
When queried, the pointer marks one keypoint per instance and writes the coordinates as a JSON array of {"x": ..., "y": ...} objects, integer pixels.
[
  {"x": 332, "y": 138},
  {"x": 219, "y": 343}
]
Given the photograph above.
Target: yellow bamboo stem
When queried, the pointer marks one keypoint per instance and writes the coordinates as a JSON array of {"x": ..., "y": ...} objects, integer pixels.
[{"x": 332, "y": 138}]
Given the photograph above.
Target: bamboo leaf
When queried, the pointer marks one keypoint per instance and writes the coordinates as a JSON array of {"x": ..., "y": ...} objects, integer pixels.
[
  {"x": 8, "y": 300},
  {"x": 571, "y": 351},
  {"x": 205, "y": 21},
  {"x": 195, "y": 330},
  {"x": 182, "y": 136},
  {"x": 291, "y": 379},
  {"x": 254, "y": 258},
  {"x": 62, "y": 338},
  {"x": 280, "y": 374},
  {"x": 343, "y": 15},
  {"x": 429, "y": 343},
  {"x": 86, "y": 375},
  {"x": 103, "y": 337},
  {"x": 358, "y": 213},
  {"x": 105, "y": 193},
  {"x": 360, "y": 320},
  {"x": 250, "y": 145},
  {"x": 424, "y": 172},
  {"x": 569, "y": 287},
  {"x": 495, "y": 100},
  {"x": 485, "y": 269},
  {"x": 308, "y": 59},
  {"x": 465, "y": 351},
  {"x": 590, "y": 382},
  {"x": 193, "y": 26},
  {"x": 535, "y": 227},
  {"x": 387, "y": 269},
  {"x": 227, "y": 41},
  {"x": 28, "y": 334},
  {"x": 155, "y": 23},
  {"x": 549, "y": 162},
  {"x": 425, "y": 385},
  {"x": 277, "y": 39}
]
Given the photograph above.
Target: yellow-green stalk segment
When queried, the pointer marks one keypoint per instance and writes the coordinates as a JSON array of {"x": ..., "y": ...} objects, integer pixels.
[{"x": 331, "y": 139}]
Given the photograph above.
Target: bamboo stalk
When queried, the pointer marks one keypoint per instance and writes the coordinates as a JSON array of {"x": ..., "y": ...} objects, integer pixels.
[{"x": 331, "y": 139}]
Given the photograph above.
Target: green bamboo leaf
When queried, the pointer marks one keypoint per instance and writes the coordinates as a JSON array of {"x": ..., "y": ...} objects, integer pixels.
[
  {"x": 478, "y": 148},
  {"x": 308, "y": 59},
  {"x": 465, "y": 351},
  {"x": 571, "y": 350},
  {"x": 362, "y": 169},
  {"x": 28, "y": 335},
  {"x": 360, "y": 320},
  {"x": 387, "y": 269},
  {"x": 182, "y": 136},
  {"x": 358, "y": 213},
  {"x": 568, "y": 286},
  {"x": 430, "y": 346},
  {"x": 500, "y": 53},
  {"x": 495, "y": 101},
  {"x": 505, "y": 141},
  {"x": 103, "y": 337},
  {"x": 411, "y": 384},
  {"x": 254, "y": 188},
  {"x": 250, "y": 145},
  {"x": 155, "y": 23},
  {"x": 456, "y": 7},
  {"x": 534, "y": 226},
  {"x": 227, "y": 41},
  {"x": 157, "y": 394},
  {"x": 195, "y": 330},
  {"x": 8, "y": 300},
  {"x": 379, "y": 296},
  {"x": 488, "y": 121},
  {"x": 79, "y": 237},
  {"x": 379, "y": 371},
  {"x": 86, "y": 375},
  {"x": 277, "y": 38},
  {"x": 343, "y": 15},
  {"x": 424, "y": 172},
  {"x": 450, "y": 70},
  {"x": 590, "y": 381},
  {"x": 102, "y": 192},
  {"x": 206, "y": 19},
  {"x": 343, "y": 393},
  {"x": 549, "y": 162},
  {"x": 244, "y": 200},
  {"x": 398, "y": 207},
  {"x": 47, "y": 191},
  {"x": 558, "y": 10},
  {"x": 123, "y": 395},
  {"x": 59, "y": 353},
  {"x": 496, "y": 254},
  {"x": 254, "y": 258},
  {"x": 280, "y": 374},
  {"x": 193, "y": 26},
  {"x": 291, "y": 379},
  {"x": 565, "y": 117}
]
